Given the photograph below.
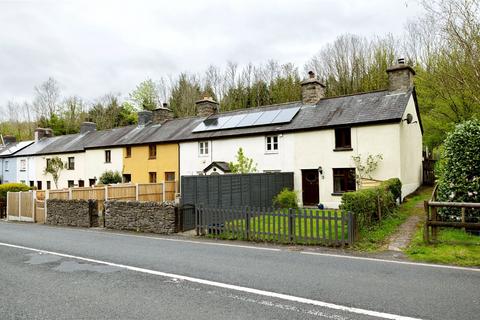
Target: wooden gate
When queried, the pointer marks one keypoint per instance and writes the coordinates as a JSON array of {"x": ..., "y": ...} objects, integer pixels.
[{"x": 21, "y": 206}]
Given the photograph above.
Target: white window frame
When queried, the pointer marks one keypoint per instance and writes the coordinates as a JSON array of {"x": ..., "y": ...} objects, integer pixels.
[
  {"x": 6, "y": 165},
  {"x": 23, "y": 165},
  {"x": 270, "y": 142},
  {"x": 203, "y": 148}
]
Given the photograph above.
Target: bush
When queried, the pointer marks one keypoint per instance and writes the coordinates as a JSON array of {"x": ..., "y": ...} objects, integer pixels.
[
  {"x": 459, "y": 169},
  {"x": 394, "y": 185},
  {"x": 12, "y": 187},
  {"x": 109, "y": 177},
  {"x": 367, "y": 203},
  {"x": 286, "y": 199}
]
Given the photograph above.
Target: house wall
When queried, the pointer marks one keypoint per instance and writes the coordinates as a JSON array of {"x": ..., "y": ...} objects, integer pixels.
[
  {"x": 139, "y": 165},
  {"x": 40, "y": 163},
  {"x": 95, "y": 164},
  {"x": 411, "y": 151},
  {"x": 27, "y": 175},
  {"x": 305, "y": 150},
  {"x": 8, "y": 170}
]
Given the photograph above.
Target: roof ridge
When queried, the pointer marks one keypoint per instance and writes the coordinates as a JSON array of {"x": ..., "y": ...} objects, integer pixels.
[{"x": 354, "y": 94}]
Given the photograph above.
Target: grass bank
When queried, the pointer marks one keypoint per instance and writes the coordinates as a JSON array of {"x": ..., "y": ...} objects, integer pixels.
[{"x": 375, "y": 237}]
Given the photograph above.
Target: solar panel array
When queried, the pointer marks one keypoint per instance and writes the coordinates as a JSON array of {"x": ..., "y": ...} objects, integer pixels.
[{"x": 260, "y": 118}]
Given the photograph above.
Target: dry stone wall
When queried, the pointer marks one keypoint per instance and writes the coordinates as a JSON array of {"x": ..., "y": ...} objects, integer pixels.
[
  {"x": 137, "y": 216},
  {"x": 75, "y": 213}
]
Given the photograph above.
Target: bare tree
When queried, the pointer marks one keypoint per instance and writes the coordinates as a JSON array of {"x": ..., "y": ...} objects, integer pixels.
[{"x": 47, "y": 96}]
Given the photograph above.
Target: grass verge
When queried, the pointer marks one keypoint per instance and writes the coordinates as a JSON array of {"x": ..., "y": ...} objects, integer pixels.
[
  {"x": 454, "y": 247},
  {"x": 376, "y": 236}
]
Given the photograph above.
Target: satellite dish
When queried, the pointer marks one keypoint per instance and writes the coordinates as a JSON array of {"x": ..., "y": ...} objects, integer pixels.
[{"x": 409, "y": 118}]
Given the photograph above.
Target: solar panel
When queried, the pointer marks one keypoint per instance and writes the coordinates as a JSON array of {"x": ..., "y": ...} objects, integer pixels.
[
  {"x": 267, "y": 117},
  {"x": 247, "y": 120}
]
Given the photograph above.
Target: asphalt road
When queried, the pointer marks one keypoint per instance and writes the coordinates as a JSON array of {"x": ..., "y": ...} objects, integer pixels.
[{"x": 62, "y": 273}]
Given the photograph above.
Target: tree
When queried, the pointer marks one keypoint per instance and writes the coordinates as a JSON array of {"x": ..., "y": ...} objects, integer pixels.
[
  {"x": 185, "y": 92},
  {"x": 109, "y": 177},
  {"x": 54, "y": 167},
  {"x": 146, "y": 95},
  {"x": 47, "y": 95},
  {"x": 243, "y": 164},
  {"x": 364, "y": 169}
]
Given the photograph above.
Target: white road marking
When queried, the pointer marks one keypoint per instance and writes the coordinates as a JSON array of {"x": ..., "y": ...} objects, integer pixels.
[
  {"x": 224, "y": 285},
  {"x": 391, "y": 261}
]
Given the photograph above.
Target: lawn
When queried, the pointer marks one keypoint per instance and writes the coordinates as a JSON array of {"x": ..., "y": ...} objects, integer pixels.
[
  {"x": 454, "y": 247},
  {"x": 375, "y": 237},
  {"x": 311, "y": 227}
]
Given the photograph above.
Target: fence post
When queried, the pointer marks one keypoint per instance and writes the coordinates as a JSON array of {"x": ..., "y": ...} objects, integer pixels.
[
  {"x": 291, "y": 225},
  {"x": 106, "y": 193},
  {"x": 8, "y": 196},
  {"x": 70, "y": 194},
  {"x": 163, "y": 191},
  {"x": 247, "y": 222},
  {"x": 34, "y": 212},
  {"x": 136, "y": 191},
  {"x": 426, "y": 236},
  {"x": 20, "y": 205}
]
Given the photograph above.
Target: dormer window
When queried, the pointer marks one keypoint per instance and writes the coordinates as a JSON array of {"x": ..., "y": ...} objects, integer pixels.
[{"x": 343, "y": 140}]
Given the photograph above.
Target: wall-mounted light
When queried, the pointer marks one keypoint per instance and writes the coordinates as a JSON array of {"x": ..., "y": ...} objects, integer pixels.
[
  {"x": 409, "y": 119},
  {"x": 320, "y": 171}
]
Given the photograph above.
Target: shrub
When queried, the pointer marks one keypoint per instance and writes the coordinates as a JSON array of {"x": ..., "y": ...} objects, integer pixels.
[
  {"x": 109, "y": 177},
  {"x": 369, "y": 205},
  {"x": 459, "y": 169},
  {"x": 394, "y": 185},
  {"x": 12, "y": 187},
  {"x": 286, "y": 199}
]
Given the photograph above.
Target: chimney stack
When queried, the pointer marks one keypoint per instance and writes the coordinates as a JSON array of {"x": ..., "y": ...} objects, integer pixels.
[
  {"x": 162, "y": 114},
  {"x": 400, "y": 76},
  {"x": 312, "y": 89},
  {"x": 206, "y": 107},
  {"x": 87, "y": 127},
  {"x": 144, "y": 117},
  {"x": 41, "y": 133}
]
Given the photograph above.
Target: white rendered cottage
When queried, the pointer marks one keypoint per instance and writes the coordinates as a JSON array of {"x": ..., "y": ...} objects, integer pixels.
[{"x": 315, "y": 138}]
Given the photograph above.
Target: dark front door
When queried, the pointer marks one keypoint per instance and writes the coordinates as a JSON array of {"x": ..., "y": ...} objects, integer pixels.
[{"x": 310, "y": 187}]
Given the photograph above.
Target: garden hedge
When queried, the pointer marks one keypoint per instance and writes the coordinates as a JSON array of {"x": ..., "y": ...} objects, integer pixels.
[
  {"x": 12, "y": 187},
  {"x": 370, "y": 205}
]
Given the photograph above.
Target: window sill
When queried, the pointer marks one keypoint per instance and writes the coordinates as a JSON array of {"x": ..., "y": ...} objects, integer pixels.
[
  {"x": 342, "y": 149},
  {"x": 107, "y": 162},
  {"x": 337, "y": 194},
  {"x": 152, "y": 158},
  {"x": 271, "y": 152}
]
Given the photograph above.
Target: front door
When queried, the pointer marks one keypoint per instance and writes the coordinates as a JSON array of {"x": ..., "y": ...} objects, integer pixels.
[{"x": 310, "y": 187}]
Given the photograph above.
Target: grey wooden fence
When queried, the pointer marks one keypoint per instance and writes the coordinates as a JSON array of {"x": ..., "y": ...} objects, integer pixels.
[
  {"x": 301, "y": 226},
  {"x": 229, "y": 190}
]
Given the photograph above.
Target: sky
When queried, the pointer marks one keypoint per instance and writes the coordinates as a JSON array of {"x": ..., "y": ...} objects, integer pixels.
[{"x": 96, "y": 47}]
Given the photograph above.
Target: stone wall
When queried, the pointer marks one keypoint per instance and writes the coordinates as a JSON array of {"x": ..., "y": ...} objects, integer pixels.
[
  {"x": 138, "y": 216},
  {"x": 75, "y": 213}
]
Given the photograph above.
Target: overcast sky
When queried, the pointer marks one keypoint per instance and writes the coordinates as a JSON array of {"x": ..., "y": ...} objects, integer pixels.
[{"x": 95, "y": 47}]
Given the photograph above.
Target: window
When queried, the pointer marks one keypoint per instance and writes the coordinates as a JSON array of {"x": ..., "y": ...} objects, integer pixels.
[
  {"x": 48, "y": 162},
  {"x": 81, "y": 183},
  {"x": 271, "y": 144},
  {"x": 127, "y": 178},
  {"x": 39, "y": 185},
  {"x": 343, "y": 180},
  {"x": 128, "y": 152},
  {"x": 203, "y": 148},
  {"x": 343, "y": 139},
  {"x": 71, "y": 163},
  {"x": 71, "y": 183},
  {"x": 23, "y": 165},
  {"x": 108, "y": 156},
  {"x": 91, "y": 182},
  {"x": 32, "y": 184},
  {"x": 169, "y": 176},
  {"x": 152, "y": 177},
  {"x": 49, "y": 185},
  {"x": 152, "y": 151},
  {"x": 6, "y": 165}
]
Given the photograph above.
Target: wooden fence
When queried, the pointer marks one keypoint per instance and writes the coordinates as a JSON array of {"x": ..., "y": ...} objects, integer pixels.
[
  {"x": 301, "y": 226},
  {"x": 434, "y": 220},
  {"x": 30, "y": 206}
]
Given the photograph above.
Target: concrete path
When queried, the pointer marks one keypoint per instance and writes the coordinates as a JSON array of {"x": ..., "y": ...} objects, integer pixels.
[{"x": 64, "y": 273}]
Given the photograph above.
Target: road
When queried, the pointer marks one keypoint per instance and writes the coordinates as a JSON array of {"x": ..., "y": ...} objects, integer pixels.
[{"x": 65, "y": 273}]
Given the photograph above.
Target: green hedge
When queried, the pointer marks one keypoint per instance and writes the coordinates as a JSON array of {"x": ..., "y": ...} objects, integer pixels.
[
  {"x": 369, "y": 205},
  {"x": 12, "y": 187},
  {"x": 286, "y": 199}
]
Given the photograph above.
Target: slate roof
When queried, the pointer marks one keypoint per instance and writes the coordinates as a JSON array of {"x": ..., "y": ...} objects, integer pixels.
[
  {"x": 352, "y": 110},
  {"x": 12, "y": 148},
  {"x": 222, "y": 165}
]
